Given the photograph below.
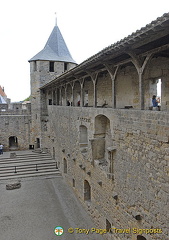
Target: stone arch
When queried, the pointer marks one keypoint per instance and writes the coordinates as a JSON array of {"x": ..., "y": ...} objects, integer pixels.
[
  {"x": 87, "y": 191},
  {"x": 102, "y": 141},
  {"x": 13, "y": 142},
  {"x": 64, "y": 165},
  {"x": 139, "y": 237},
  {"x": 127, "y": 87},
  {"x": 102, "y": 126},
  {"x": 83, "y": 134},
  {"x": 153, "y": 73}
]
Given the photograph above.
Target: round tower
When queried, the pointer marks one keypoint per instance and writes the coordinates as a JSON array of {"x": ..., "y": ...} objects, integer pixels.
[{"x": 53, "y": 60}]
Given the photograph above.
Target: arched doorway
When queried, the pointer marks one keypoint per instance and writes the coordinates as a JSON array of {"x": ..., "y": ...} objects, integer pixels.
[
  {"x": 139, "y": 237},
  {"x": 13, "y": 142}
]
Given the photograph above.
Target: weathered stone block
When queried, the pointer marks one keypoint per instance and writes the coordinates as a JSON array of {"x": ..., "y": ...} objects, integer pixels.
[{"x": 13, "y": 186}]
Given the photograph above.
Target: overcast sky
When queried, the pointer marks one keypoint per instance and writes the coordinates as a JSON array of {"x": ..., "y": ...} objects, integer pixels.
[{"x": 87, "y": 27}]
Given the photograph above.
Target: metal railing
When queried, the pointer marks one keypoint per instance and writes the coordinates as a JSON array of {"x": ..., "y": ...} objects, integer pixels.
[{"x": 28, "y": 167}]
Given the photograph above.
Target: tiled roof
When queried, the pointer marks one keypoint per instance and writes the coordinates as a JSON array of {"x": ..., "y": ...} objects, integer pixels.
[
  {"x": 130, "y": 39},
  {"x": 55, "y": 49}
]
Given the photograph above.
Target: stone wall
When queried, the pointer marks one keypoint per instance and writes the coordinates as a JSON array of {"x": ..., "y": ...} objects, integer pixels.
[
  {"x": 131, "y": 180},
  {"x": 17, "y": 126}
]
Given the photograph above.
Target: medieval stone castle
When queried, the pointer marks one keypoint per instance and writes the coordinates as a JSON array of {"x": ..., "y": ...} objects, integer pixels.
[{"x": 97, "y": 121}]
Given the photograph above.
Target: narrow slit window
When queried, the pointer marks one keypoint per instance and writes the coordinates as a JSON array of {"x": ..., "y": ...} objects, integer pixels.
[
  {"x": 65, "y": 66},
  {"x": 51, "y": 66}
]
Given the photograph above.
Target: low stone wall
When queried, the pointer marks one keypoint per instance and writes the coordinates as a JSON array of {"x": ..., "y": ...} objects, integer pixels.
[{"x": 139, "y": 183}]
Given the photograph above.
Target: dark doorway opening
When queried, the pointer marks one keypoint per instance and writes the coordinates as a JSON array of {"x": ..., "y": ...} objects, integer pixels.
[
  {"x": 13, "y": 142},
  {"x": 31, "y": 146},
  {"x": 38, "y": 142}
]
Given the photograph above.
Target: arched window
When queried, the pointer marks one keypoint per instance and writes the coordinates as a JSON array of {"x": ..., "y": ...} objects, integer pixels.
[
  {"x": 83, "y": 138},
  {"x": 83, "y": 134},
  {"x": 87, "y": 191},
  {"x": 102, "y": 126}
]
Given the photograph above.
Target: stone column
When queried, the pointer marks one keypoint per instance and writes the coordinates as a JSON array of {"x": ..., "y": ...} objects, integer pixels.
[
  {"x": 95, "y": 94},
  {"x": 65, "y": 95},
  {"x": 141, "y": 89},
  {"x": 72, "y": 93},
  {"x": 140, "y": 66},
  {"x": 81, "y": 92},
  {"x": 94, "y": 80},
  {"x": 73, "y": 97},
  {"x": 60, "y": 100},
  {"x": 113, "y": 73}
]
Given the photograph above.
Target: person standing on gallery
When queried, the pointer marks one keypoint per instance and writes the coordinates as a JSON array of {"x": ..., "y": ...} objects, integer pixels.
[{"x": 155, "y": 102}]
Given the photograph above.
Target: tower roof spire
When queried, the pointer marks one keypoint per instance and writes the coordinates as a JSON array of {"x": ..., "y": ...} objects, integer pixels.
[
  {"x": 55, "y": 49},
  {"x": 55, "y": 19}
]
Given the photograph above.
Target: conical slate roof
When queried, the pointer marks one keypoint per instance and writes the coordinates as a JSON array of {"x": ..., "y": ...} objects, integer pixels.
[{"x": 55, "y": 49}]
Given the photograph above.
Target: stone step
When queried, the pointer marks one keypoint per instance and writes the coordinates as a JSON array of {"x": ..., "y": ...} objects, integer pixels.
[
  {"x": 54, "y": 173},
  {"x": 15, "y": 160},
  {"x": 25, "y": 156},
  {"x": 33, "y": 155},
  {"x": 26, "y": 170},
  {"x": 37, "y": 150},
  {"x": 28, "y": 164}
]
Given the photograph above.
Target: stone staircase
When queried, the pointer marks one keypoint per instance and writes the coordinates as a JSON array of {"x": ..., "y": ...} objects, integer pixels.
[{"x": 27, "y": 164}]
